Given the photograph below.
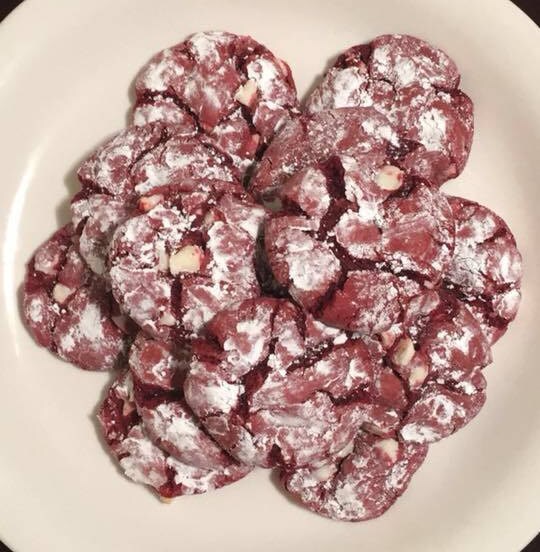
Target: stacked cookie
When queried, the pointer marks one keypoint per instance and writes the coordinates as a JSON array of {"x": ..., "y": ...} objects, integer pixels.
[{"x": 281, "y": 287}]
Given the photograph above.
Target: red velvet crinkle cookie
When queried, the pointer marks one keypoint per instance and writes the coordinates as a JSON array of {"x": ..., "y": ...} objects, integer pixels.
[
  {"x": 354, "y": 246},
  {"x": 357, "y": 132},
  {"x": 416, "y": 86},
  {"x": 158, "y": 370},
  {"x": 439, "y": 354},
  {"x": 230, "y": 87},
  {"x": 486, "y": 268},
  {"x": 68, "y": 310},
  {"x": 361, "y": 483},
  {"x": 144, "y": 462},
  {"x": 275, "y": 387},
  {"x": 131, "y": 165},
  {"x": 189, "y": 254}
]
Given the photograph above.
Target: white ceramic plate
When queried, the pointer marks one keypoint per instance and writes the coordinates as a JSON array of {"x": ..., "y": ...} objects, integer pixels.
[{"x": 65, "y": 71}]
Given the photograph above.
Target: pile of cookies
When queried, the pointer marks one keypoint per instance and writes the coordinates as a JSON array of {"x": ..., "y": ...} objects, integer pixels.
[{"x": 281, "y": 285}]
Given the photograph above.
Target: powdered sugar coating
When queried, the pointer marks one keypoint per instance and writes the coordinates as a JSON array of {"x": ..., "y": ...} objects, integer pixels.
[
  {"x": 216, "y": 227},
  {"x": 361, "y": 483},
  {"x": 69, "y": 311},
  {"x": 158, "y": 370},
  {"x": 416, "y": 86},
  {"x": 132, "y": 165},
  {"x": 274, "y": 387},
  {"x": 142, "y": 461},
  {"x": 486, "y": 267},
  {"x": 229, "y": 86},
  {"x": 312, "y": 139},
  {"x": 347, "y": 248},
  {"x": 443, "y": 409},
  {"x": 443, "y": 370},
  {"x": 98, "y": 216}
]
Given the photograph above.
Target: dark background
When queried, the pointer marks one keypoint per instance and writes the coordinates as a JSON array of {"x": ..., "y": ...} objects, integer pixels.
[{"x": 530, "y": 7}]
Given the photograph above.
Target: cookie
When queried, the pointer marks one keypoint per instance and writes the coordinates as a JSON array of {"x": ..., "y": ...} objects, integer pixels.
[
  {"x": 187, "y": 255},
  {"x": 275, "y": 387},
  {"x": 440, "y": 355},
  {"x": 361, "y": 483},
  {"x": 144, "y": 462},
  {"x": 486, "y": 266},
  {"x": 416, "y": 86},
  {"x": 130, "y": 166},
  {"x": 311, "y": 139},
  {"x": 68, "y": 310},
  {"x": 158, "y": 371},
  {"x": 353, "y": 246},
  {"x": 229, "y": 87}
]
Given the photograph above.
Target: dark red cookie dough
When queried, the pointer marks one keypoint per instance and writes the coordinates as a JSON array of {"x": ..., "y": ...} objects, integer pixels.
[
  {"x": 357, "y": 132},
  {"x": 131, "y": 165},
  {"x": 440, "y": 354},
  {"x": 416, "y": 86},
  {"x": 228, "y": 86},
  {"x": 353, "y": 247},
  {"x": 144, "y": 462},
  {"x": 486, "y": 267},
  {"x": 362, "y": 483},
  {"x": 189, "y": 254},
  {"x": 275, "y": 387},
  {"x": 67, "y": 309},
  {"x": 158, "y": 370}
]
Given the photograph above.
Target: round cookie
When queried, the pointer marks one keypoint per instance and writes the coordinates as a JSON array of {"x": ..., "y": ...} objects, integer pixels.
[
  {"x": 130, "y": 166},
  {"x": 275, "y": 387},
  {"x": 228, "y": 86},
  {"x": 353, "y": 248},
  {"x": 187, "y": 255},
  {"x": 486, "y": 267},
  {"x": 144, "y": 462},
  {"x": 361, "y": 133},
  {"x": 361, "y": 483},
  {"x": 158, "y": 370},
  {"x": 68, "y": 310},
  {"x": 416, "y": 86},
  {"x": 440, "y": 354}
]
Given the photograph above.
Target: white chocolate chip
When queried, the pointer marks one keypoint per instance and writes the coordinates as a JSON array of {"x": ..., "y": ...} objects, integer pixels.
[
  {"x": 390, "y": 178},
  {"x": 163, "y": 258},
  {"x": 208, "y": 219},
  {"x": 246, "y": 92},
  {"x": 61, "y": 293},
  {"x": 149, "y": 202},
  {"x": 323, "y": 473},
  {"x": 404, "y": 352},
  {"x": 418, "y": 375},
  {"x": 187, "y": 259},
  {"x": 390, "y": 447},
  {"x": 167, "y": 319}
]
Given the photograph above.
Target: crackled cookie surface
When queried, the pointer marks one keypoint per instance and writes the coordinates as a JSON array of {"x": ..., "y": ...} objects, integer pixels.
[
  {"x": 440, "y": 352},
  {"x": 486, "y": 266},
  {"x": 189, "y": 254},
  {"x": 274, "y": 387},
  {"x": 130, "y": 166},
  {"x": 361, "y": 483},
  {"x": 354, "y": 245},
  {"x": 144, "y": 462},
  {"x": 158, "y": 370},
  {"x": 228, "y": 86},
  {"x": 416, "y": 86},
  {"x": 68, "y": 310},
  {"x": 361, "y": 133}
]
